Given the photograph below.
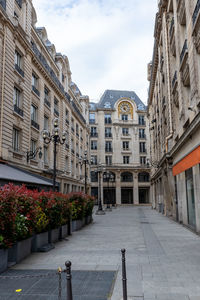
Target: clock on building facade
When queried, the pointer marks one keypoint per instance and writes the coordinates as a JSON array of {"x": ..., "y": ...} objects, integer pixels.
[{"x": 125, "y": 107}]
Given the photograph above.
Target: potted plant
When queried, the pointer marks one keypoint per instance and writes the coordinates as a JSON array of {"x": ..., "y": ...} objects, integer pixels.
[
  {"x": 40, "y": 238},
  {"x": 3, "y": 255}
]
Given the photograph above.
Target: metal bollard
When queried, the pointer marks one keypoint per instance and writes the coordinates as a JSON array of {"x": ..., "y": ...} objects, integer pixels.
[
  {"x": 124, "y": 280},
  {"x": 59, "y": 283},
  {"x": 69, "y": 283}
]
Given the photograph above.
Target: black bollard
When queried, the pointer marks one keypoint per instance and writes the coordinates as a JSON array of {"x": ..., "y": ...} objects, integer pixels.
[
  {"x": 69, "y": 282},
  {"x": 124, "y": 280}
]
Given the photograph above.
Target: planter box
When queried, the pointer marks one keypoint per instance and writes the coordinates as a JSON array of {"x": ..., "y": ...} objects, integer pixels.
[
  {"x": 19, "y": 251},
  {"x": 39, "y": 240},
  {"x": 63, "y": 231},
  {"x": 3, "y": 260},
  {"x": 88, "y": 220},
  {"x": 53, "y": 235},
  {"x": 77, "y": 225}
]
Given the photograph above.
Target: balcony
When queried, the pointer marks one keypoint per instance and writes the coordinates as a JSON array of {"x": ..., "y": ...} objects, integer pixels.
[
  {"x": 35, "y": 125},
  {"x": 18, "y": 110},
  {"x": 56, "y": 112},
  {"x": 47, "y": 102},
  {"x": 108, "y": 121},
  {"x": 142, "y": 136},
  {"x": 196, "y": 26},
  {"x": 67, "y": 121},
  {"x": 108, "y": 150},
  {"x": 19, "y": 70},
  {"x": 92, "y": 121},
  {"x": 3, "y": 4},
  {"x": 35, "y": 90},
  {"x": 181, "y": 12},
  {"x": 108, "y": 135},
  {"x": 185, "y": 74},
  {"x": 94, "y": 134}
]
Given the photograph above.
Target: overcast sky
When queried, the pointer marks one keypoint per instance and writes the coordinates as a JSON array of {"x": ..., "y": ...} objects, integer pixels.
[{"x": 108, "y": 42}]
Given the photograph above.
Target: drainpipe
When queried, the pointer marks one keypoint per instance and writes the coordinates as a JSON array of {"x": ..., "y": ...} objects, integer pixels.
[
  {"x": 2, "y": 88},
  {"x": 168, "y": 81}
]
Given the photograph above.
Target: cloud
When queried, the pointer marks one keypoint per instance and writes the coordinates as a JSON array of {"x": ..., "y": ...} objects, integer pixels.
[{"x": 108, "y": 42}]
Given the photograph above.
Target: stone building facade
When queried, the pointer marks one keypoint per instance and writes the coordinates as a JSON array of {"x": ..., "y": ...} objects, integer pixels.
[
  {"x": 119, "y": 140},
  {"x": 174, "y": 111},
  {"x": 35, "y": 88}
]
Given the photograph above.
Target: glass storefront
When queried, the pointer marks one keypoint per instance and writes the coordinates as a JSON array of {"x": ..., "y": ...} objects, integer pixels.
[{"x": 190, "y": 197}]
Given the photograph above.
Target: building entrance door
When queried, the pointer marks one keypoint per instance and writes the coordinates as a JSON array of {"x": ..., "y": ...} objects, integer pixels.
[
  {"x": 109, "y": 196},
  {"x": 143, "y": 195},
  {"x": 190, "y": 197},
  {"x": 126, "y": 195}
]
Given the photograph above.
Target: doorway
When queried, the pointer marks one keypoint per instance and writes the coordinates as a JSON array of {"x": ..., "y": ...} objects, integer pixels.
[
  {"x": 143, "y": 195},
  {"x": 126, "y": 195}
]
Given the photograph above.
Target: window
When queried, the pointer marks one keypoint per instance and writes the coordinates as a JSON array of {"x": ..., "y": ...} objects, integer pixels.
[
  {"x": 67, "y": 116},
  {"x": 19, "y": 2},
  {"x": 124, "y": 117},
  {"x": 66, "y": 163},
  {"x": 125, "y": 145},
  {"x": 47, "y": 96},
  {"x": 108, "y": 146},
  {"x": 93, "y": 132},
  {"x": 56, "y": 107},
  {"x": 72, "y": 124},
  {"x": 18, "y": 63},
  {"x": 93, "y": 159},
  {"x": 34, "y": 117},
  {"x": 93, "y": 145},
  {"x": 46, "y": 123},
  {"x": 72, "y": 145},
  {"x": 108, "y": 132},
  {"x": 92, "y": 118},
  {"x": 33, "y": 146},
  {"x": 35, "y": 84},
  {"x": 126, "y": 177},
  {"x": 142, "y": 147},
  {"x": 34, "y": 113},
  {"x": 143, "y": 160},
  {"x": 94, "y": 176},
  {"x": 45, "y": 155},
  {"x": 81, "y": 134},
  {"x": 72, "y": 168},
  {"x": 108, "y": 160},
  {"x": 141, "y": 120},
  {"x": 126, "y": 159},
  {"x": 77, "y": 130},
  {"x": 67, "y": 140},
  {"x": 77, "y": 149},
  {"x": 125, "y": 131},
  {"x": 15, "y": 141},
  {"x": 142, "y": 134},
  {"x": 107, "y": 118},
  {"x": 17, "y": 97},
  {"x": 143, "y": 177}
]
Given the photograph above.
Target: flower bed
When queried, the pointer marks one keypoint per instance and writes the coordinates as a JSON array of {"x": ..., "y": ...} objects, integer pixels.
[{"x": 25, "y": 213}]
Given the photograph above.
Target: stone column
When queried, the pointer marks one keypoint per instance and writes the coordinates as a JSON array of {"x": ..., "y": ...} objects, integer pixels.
[
  {"x": 135, "y": 189},
  {"x": 118, "y": 188}
]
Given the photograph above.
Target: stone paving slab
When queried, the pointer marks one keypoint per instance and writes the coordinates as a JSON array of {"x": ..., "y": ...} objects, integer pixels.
[
  {"x": 86, "y": 285},
  {"x": 162, "y": 257}
]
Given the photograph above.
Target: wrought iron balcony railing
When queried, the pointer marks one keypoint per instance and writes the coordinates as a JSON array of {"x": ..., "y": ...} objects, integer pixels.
[
  {"x": 35, "y": 124},
  {"x": 19, "y": 70},
  {"x": 18, "y": 110},
  {"x": 196, "y": 11},
  {"x": 183, "y": 51},
  {"x": 35, "y": 90}
]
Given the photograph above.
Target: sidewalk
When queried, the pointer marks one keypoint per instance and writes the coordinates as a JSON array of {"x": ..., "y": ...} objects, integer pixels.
[{"x": 163, "y": 258}]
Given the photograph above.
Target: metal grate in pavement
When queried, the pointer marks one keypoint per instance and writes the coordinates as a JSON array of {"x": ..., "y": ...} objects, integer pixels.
[{"x": 86, "y": 285}]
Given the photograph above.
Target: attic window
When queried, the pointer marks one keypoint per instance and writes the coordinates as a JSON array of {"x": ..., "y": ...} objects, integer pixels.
[
  {"x": 107, "y": 105},
  {"x": 111, "y": 96},
  {"x": 19, "y": 2}
]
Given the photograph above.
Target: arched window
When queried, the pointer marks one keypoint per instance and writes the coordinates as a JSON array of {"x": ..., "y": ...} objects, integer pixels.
[
  {"x": 126, "y": 177},
  {"x": 143, "y": 177}
]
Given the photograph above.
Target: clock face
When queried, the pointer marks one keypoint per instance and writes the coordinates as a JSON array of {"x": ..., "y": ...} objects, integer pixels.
[{"x": 124, "y": 107}]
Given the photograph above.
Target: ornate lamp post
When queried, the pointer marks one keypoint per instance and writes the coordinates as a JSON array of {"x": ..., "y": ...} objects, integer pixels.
[
  {"x": 107, "y": 177},
  {"x": 86, "y": 162},
  {"x": 32, "y": 154},
  {"x": 56, "y": 139},
  {"x": 100, "y": 210}
]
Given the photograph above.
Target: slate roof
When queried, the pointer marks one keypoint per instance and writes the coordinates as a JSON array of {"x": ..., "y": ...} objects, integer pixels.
[{"x": 111, "y": 96}]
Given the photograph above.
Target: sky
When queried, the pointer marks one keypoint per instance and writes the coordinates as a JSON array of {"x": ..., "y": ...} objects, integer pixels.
[{"x": 108, "y": 42}]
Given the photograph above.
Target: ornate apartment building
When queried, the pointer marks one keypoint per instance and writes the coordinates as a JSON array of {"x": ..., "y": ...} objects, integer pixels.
[
  {"x": 36, "y": 88},
  {"x": 174, "y": 111},
  {"x": 119, "y": 141}
]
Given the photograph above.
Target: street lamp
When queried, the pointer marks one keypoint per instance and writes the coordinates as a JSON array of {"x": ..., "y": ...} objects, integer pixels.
[
  {"x": 100, "y": 210},
  {"x": 107, "y": 177},
  {"x": 56, "y": 139},
  {"x": 85, "y": 161},
  {"x": 32, "y": 154}
]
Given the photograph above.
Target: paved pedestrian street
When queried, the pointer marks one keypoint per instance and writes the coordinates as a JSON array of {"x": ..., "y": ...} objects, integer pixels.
[{"x": 162, "y": 257}]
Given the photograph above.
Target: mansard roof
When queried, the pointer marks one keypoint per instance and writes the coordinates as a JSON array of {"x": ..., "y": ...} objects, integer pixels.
[{"x": 110, "y": 97}]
